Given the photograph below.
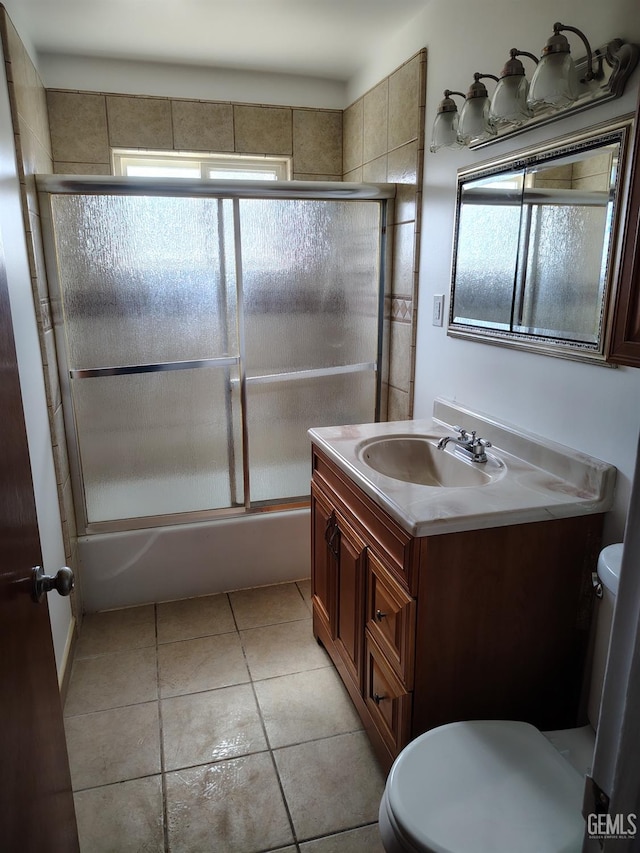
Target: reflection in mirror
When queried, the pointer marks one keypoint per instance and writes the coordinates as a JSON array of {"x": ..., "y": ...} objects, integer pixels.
[{"x": 534, "y": 246}]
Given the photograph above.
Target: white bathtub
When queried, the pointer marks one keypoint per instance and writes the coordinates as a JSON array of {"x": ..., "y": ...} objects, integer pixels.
[{"x": 186, "y": 560}]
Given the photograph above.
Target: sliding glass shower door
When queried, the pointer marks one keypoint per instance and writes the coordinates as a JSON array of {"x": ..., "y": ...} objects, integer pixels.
[{"x": 200, "y": 337}]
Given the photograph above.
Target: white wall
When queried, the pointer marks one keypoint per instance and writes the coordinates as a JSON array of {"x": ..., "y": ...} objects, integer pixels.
[
  {"x": 591, "y": 408},
  {"x": 187, "y": 81},
  {"x": 31, "y": 376}
]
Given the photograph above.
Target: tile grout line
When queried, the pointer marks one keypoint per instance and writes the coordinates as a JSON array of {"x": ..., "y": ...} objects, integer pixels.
[
  {"x": 264, "y": 731},
  {"x": 163, "y": 780}
]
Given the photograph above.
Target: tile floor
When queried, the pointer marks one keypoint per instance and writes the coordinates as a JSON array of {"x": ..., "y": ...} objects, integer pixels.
[{"x": 217, "y": 724}]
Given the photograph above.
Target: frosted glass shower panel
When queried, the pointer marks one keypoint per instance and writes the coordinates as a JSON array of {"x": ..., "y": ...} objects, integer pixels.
[
  {"x": 311, "y": 282},
  {"x": 487, "y": 251},
  {"x": 145, "y": 279},
  {"x": 566, "y": 279},
  {"x": 281, "y": 412},
  {"x": 157, "y": 444}
]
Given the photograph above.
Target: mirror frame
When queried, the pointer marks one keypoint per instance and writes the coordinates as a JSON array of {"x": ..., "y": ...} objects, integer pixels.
[{"x": 619, "y": 131}]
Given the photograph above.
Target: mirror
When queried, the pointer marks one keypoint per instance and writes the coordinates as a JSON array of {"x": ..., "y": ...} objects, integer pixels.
[{"x": 534, "y": 261}]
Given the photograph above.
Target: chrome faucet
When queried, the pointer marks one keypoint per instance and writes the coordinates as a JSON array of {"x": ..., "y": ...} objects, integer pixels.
[{"x": 468, "y": 443}]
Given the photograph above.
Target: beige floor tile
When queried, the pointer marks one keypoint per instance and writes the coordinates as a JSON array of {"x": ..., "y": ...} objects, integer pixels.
[
  {"x": 206, "y": 663},
  {"x": 194, "y": 617},
  {"x": 110, "y": 681},
  {"x": 204, "y": 727},
  {"x": 268, "y": 605},
  {"x": 116, "y": 631},
  {"x": 366, "y": 839},
  {"x": 305, "y": 706},
  {"x": 111, "y": 746},
  {"x": 330, "y": 785},
  {"x": 282, "y": 649},
  {"x": 305, "y": 591},
  {"x": 233, "y": 806},
  {"x": 123, "y": 818}
]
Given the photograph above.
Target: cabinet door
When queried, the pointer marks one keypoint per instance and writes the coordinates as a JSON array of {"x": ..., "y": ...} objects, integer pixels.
[
  {"x": 323, "y": 569},
  {"x": 625, "y": 344},
  {"x": 391, "y": 618},
  {"x": 350, "y": 565}
]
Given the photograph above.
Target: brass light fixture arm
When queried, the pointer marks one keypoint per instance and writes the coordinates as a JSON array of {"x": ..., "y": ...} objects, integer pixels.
[{"x": 560, "y": 28}]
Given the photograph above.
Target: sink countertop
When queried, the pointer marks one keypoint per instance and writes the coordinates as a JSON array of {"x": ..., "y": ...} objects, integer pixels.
[{"x": 543, "y": 480}]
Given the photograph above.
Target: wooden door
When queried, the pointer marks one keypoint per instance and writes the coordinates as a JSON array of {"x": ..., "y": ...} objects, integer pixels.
[{"x": 36, "y": 803}]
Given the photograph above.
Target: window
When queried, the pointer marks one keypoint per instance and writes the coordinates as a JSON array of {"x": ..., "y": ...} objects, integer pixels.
[{"x": 168, "y": 164}]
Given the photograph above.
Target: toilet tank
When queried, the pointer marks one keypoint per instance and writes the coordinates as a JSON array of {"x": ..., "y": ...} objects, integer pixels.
[{"x": 609, "y": 574}]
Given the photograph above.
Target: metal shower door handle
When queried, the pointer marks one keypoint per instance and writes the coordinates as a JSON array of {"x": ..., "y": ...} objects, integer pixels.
[{"x": 63, "y": 582}]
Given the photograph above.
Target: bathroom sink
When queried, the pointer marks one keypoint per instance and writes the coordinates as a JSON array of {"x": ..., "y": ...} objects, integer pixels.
[{"x": 417, "y": 459}]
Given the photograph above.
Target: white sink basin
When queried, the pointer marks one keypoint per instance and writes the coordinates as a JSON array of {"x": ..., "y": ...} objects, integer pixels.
[{"x": 417, "y": 459}]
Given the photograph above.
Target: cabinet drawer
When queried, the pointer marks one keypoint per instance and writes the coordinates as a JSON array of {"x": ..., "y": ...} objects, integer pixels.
[
  {"x": 386, "y": 698},
  {"x": 391, "y": 618}
]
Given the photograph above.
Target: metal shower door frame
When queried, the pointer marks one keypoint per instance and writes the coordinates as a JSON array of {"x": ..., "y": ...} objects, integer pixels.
[{"x": 50, "y": 185}]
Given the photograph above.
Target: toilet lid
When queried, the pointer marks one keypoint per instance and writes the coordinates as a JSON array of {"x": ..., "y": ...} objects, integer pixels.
[{"x": 486, "y": 787}]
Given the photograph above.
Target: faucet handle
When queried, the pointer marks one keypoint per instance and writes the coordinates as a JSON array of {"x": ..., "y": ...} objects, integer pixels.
[
  {"x": 462, "y": 431},
  {"x": 483, "y": 442}
]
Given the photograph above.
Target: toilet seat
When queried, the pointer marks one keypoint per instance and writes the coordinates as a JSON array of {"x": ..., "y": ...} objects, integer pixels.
[{"x": 493, "y": 786}]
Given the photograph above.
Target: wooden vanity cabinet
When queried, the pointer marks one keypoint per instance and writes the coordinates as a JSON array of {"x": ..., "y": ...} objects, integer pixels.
[{"x": 484, "y": 624}]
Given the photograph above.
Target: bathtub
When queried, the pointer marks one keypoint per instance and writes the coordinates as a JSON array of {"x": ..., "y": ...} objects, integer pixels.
[{"x": 181, "y": 561}]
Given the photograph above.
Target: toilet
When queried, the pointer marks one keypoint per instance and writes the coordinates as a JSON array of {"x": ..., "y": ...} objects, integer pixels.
[{"x": 499, "y": 786}]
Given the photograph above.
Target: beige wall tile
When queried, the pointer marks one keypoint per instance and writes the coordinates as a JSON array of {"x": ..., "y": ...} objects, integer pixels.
[
  {"x": 139, "y": 123},
  {"x": 376, "y": 112},
  {"x": 35, "y": 160},
  {"x": 399, "y": 405},
  {"x": 352, "y": 136},
  {"x": 403, "y": 259},
  {"x": 402, "y": 167},
  {"x": 400, "y": 368},
  {"x": 60, "y": 167},
  {"x": 404, "y": 102},
  {"x": 355, "y": 175},
  {"x": 18, "y": 58},
  {"x": 78, "y": 125},
  {"x": 593, "y": 165},
  {"x": 593, "y": 182},
  {"x": 199, "y": 126},
  {"x": 376, "y": 170},
  {"x": 263, "y": 130},
  {"x": 305, "y": 176},
  {"x": 317, "y": 141}
]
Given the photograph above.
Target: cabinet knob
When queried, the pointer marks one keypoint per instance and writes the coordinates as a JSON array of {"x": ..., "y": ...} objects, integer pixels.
[
  {"x": 380, "y": 615},
  {"x": 377, "y": 698}
]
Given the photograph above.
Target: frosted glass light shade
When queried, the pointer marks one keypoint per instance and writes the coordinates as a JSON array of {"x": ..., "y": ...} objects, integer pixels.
[
  {"x": 445, "y": 131},
  {"x": 509, "y": 103},
  {"x": 554, "y": 83},
  {"x": 474, "y": 124}
]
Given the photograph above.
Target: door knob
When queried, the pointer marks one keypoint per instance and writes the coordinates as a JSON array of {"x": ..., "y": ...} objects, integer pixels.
[{"x": 41, "y": 583}]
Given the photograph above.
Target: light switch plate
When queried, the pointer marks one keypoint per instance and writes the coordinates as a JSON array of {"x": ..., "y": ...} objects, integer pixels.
[{"x": 438, "y": 309}]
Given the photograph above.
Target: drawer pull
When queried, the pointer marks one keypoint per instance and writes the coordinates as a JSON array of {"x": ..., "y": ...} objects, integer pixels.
[
  {"x": 377, "y": 698},
  {"x": 380, "y": 615}
]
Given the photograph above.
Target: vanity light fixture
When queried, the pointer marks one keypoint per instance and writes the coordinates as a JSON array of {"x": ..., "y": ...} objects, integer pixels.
[
  {"x": 445, "y": 126},
  {"x": 474, "y": 119},
  {"x": 555, "y": 81},
  {"x": 558, "y": 86},
  {"x": 509, "y": 106}
]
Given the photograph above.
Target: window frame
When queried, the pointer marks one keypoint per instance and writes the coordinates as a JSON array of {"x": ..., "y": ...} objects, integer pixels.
[{"x": 251, "y": 164}]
